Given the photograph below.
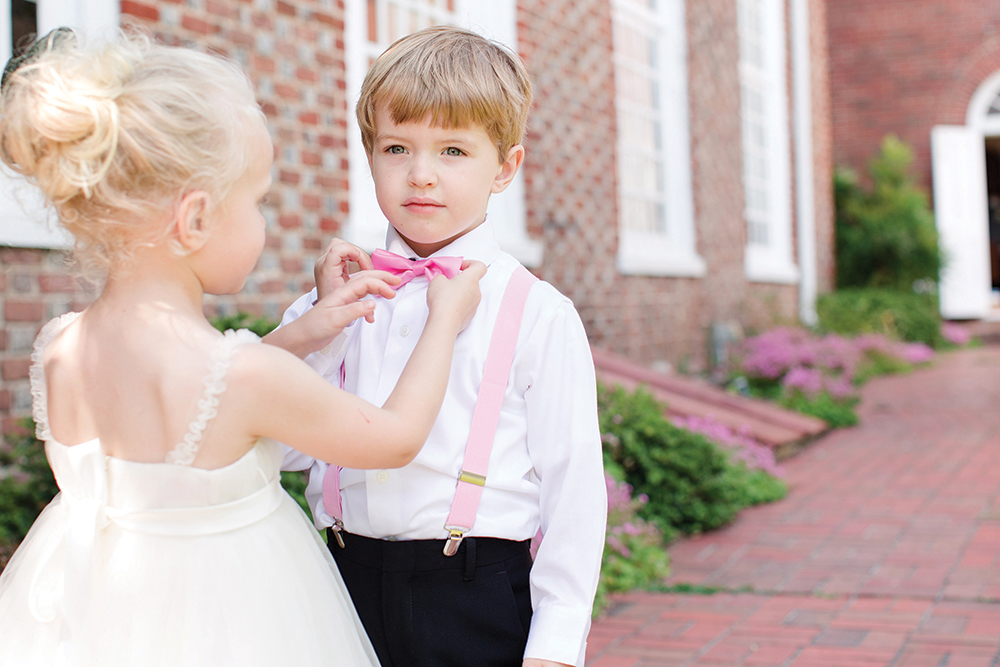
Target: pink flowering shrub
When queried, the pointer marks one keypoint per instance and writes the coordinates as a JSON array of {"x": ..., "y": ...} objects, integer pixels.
[
  {"x": 955, "y": 334},
  {"x": 634, "y": 550},
  {"x": 635, "y": 553},
  {"x": 740, "y": 443},
  {"x": 831, "y": 364},
  {"x": 819, "y": 375}
]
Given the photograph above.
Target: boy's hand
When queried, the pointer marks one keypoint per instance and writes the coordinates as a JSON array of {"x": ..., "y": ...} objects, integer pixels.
[
  {"x": 459, "y": 296},
  {"x": 331, "y": 270},
  {"x": 534, "y": 662}
]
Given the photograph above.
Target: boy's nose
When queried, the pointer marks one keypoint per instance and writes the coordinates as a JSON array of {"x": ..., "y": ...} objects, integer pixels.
[{"x": 422, "y": 174}]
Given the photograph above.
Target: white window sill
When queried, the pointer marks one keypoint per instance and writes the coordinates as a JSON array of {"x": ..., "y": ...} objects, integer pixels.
[
  {"x": 766, "y": 268},
  {"x": 652, "y": 255}
]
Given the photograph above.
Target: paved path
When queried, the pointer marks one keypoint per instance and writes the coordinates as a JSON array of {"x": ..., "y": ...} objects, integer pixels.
[{"x": 886, "y": 551}]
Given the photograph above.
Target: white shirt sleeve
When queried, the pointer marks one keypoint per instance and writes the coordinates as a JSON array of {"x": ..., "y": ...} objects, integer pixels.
[
  {"x": 564, "y": 442},
  {"x": 326, "y": 362}
]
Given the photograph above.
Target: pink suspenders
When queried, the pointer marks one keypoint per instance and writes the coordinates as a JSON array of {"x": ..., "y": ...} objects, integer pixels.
[{"x": 485, "y": 417}]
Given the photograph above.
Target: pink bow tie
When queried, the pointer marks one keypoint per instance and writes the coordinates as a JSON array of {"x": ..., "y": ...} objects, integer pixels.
[{"x": 408, "y": 269}]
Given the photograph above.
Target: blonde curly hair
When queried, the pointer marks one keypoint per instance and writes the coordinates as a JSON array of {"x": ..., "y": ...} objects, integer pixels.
[{"x": 114, "y": 135}]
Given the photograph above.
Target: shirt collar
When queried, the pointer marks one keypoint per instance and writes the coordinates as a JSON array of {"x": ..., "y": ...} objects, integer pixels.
[{"x": 479, "y": 244}]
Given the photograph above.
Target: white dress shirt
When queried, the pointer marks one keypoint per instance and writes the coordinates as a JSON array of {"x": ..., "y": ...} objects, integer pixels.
[{"x": 546, "y": 467}]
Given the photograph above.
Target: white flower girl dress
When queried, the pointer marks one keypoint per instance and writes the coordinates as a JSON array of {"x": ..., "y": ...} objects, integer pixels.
[{"x": 163, "y": 564}]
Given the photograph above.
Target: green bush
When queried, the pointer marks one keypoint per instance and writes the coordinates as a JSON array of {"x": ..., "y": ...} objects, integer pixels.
[
  {"x": 885, "y": 234},
  {"x": 259, "y": 325},
  {"x": 837, "y": 412},
  {"x": 635, "y": 553},
  {"x": 898, "y": 315},
  {"x": 29, "y": 486},
  {"x": 692, "y": 484}
]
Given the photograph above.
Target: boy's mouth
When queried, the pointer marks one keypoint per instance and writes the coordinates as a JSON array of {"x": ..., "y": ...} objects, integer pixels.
[{"x": 422, "y": 205}]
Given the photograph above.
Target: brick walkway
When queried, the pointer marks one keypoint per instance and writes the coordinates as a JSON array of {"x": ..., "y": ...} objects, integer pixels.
[{"x": 886, "y": 551}]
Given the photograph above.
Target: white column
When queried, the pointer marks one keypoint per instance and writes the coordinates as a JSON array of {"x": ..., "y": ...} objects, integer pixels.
[{"x": 805, "y": 208}]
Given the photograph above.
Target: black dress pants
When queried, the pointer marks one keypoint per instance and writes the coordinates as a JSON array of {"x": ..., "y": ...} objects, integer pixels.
[{"x": 424, "y": 609}]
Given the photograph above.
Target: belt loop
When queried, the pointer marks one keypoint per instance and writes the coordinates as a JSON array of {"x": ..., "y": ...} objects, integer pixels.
[{"x": 470, "y": 559}]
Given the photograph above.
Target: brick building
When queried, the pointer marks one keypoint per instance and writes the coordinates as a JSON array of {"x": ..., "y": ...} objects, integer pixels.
[
  {"x": 677, "y": 184},
  {"x": 928, "y": 71}
]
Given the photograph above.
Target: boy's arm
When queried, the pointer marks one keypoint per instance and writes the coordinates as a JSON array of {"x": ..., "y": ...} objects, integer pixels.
[{"x": 564, "y": 443}]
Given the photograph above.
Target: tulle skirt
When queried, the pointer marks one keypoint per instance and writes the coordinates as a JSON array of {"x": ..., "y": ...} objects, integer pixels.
[{"x": 265, "y": 594}]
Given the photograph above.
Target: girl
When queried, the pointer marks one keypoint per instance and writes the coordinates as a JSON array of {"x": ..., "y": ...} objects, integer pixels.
[{"x": 172, "y": 542}]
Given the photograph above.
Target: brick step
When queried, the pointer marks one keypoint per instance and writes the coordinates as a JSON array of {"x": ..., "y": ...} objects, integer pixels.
[{"x": 783, "y": 430}]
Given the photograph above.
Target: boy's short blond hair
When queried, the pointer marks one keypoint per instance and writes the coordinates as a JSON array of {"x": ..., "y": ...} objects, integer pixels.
[{"x": 458, "y": 77}]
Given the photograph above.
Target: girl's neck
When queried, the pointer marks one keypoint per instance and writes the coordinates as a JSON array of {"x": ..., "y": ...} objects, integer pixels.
[{"x": 149, "y": 282}]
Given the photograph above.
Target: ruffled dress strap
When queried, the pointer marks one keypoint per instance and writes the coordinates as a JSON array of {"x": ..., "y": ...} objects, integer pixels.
[
  {"x": 39, "y": 392},
  {"x": 186, "y": 450}
]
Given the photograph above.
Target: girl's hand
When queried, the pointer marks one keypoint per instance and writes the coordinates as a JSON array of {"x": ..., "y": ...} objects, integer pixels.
[
  {"x": 331, "y": 270},
  {"x": 458, "y": 297},
  {"x": 319, "y": 325},
  {"x": 534, "y": 662}
]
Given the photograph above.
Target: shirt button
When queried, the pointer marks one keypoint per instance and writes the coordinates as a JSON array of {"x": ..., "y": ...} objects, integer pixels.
[
  {"x": 326, "y": 350},
  {"x": 382, "y": 475},
  {"x": 404, "y": 330}
]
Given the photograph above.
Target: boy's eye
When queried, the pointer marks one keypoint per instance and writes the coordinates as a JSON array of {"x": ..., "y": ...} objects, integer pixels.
[
  {"x": 455, "y": 152},
  {"x": 395, "y": 150}
]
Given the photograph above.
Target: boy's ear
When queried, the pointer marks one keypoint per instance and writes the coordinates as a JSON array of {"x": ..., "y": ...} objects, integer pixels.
[
  {"x": 508, "y": 169},
  {"x": 191, "y": 224}
]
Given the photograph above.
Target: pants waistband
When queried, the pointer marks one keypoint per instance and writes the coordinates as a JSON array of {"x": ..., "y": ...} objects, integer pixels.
[{"x": 425, "y": 555}]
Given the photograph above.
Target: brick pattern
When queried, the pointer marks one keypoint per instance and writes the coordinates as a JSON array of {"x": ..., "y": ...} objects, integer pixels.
[
  {"x": 294, "y": 50},
  {"x": 35, "y": 286},
  {"x": 903, "y": 66},
  {"x": 886, "y": 551}
]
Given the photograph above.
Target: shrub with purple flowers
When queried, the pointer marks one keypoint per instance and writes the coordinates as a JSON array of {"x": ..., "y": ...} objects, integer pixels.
[
  {"x": 819, "y": 375},
  {"x": 740, "y": 443},
  {"x": 634, "y": 551}
]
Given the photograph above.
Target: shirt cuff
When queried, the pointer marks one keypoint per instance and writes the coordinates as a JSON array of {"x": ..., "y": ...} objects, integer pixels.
[{"x": 558, "y": 633}]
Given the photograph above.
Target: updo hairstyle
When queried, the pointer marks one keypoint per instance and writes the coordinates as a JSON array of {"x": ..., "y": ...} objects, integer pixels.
[{"x": 116, "y": 134}]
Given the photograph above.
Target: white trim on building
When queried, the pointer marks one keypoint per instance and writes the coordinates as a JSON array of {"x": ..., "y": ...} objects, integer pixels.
[
  {"x": 27, "y": 223},
  {"x": 766, "y": 168},
  {"x": 656, "y": 230}
]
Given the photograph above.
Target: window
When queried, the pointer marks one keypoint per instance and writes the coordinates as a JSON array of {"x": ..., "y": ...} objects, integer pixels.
[
  {"x": 27, "y": 223},
  {"x": 764, "y": 113},
  {"x": 655, "y": 210},
  {"x": 371, "y": 26}
]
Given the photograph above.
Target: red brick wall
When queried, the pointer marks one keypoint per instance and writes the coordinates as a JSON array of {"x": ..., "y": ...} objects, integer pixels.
[
  {"x": 35, "y": 286},
  {"x": 903, "y": 66},
  {"x": 294, "y": 50},
  {"x": 570, "y": 173}
]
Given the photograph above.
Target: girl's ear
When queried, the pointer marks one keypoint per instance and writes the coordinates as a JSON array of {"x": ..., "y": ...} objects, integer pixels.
[
  {"x": 191, "y": 223},
  {"x": 508, "y": 169}
]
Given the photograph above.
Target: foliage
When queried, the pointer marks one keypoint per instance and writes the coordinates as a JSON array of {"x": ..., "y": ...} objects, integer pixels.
[
  {"x": 741, "y": 443},
  {"x": 819, "y": 375},
  {"x": 634, "y": 550},
  {"x": 295, "y": 483},
  {"x": 898, "y": 315},
  {"x": 692, "y": 484},
  {"x": 838, "y": 413},
  {"x": 885, "y": 234},
  {"x": 29, "y": 486},
  {"x": 259, "y": 325}
]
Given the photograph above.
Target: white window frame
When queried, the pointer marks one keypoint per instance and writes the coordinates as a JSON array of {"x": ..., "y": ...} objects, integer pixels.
[
  {"x": 366, "y": 225},
  {"x": 27, "y": 223},
  {"x": 670, "y": 251},
  {"x": 770, "y": 261}
]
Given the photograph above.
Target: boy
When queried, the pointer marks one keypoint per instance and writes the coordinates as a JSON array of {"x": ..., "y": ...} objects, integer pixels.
[{"x": 442, "y": 115}]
